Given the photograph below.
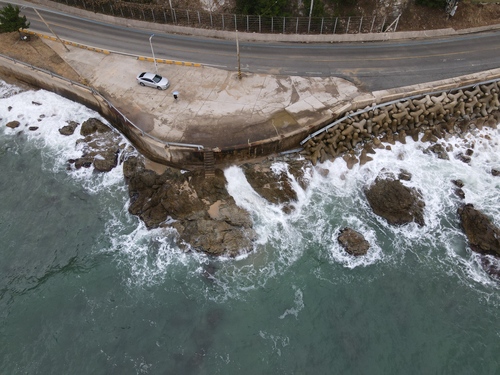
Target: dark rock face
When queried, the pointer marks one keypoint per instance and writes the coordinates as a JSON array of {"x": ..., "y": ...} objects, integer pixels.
[
  {"x": 201, "y": 210},
  {"x": 69, "y": 129},
  {"x": 101, "y": 146},
  {"x": 276, "y": 187},
  {"x": 396, "y": 203},
  {"x": 353, "y": 242},
  {"x": 482, "y": 235},
  {"x": 92, "y": 126}
]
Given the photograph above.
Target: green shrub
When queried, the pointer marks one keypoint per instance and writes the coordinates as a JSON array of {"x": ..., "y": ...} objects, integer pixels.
[{"x": 10, "y": 20}]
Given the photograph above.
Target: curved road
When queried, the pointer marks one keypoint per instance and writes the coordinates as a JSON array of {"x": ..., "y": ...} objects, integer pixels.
[{"x": 371, "y": 66}]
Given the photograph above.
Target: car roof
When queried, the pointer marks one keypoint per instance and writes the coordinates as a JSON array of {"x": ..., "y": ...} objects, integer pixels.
[{"x": 147, "y": 75}]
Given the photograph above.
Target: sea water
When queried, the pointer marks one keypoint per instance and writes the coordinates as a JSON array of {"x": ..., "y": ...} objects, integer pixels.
[{"x": 85, "y": 288}]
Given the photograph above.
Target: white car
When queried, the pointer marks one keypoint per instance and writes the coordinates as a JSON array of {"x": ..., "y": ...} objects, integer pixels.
[{"x": 153, "y": 80}]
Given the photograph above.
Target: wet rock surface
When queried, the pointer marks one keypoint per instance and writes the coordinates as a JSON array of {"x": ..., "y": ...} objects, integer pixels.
[
  {"x": 100, "y": 146},
  {"x": 482, "y": 234},
  {"x": 353, "y": 242},
  {"x": 69, "y": 129},
  {"x": 205, "y": 216},
  {"x": 395, "y": 202},
  {"x": 274, "y": 183}
]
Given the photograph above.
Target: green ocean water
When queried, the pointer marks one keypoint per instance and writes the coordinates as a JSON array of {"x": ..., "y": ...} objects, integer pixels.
[{"x": 86, "y": 289}]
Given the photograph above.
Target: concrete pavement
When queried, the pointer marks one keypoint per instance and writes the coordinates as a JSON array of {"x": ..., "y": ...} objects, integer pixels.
[{"x": 215, "y": 109}]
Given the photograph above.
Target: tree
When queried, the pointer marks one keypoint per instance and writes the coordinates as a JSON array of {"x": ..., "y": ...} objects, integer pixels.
[{"x": 10, "y": 20}]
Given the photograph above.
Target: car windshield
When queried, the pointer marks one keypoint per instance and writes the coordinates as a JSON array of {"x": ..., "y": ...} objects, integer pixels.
[{"x": 157, "y": 78}]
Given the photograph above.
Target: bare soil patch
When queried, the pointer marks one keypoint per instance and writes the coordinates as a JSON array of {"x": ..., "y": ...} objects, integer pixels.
[{"x": 37, "y": 53}]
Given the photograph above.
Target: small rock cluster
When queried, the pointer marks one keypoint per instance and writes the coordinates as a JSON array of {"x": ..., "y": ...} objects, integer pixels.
[
  {"x": 450, "y": 112},
  {"x": 100, "y": 145}
]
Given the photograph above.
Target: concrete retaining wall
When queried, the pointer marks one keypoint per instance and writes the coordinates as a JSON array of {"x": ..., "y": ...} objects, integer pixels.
[{"x": 180, "y": 157}]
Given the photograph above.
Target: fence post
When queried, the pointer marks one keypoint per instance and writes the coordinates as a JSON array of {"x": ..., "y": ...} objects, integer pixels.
[
  {"x": 223, "y": 26},
  {"x": 272, "y": 25},
  {"x": 373, "y": 22},
  {"x": 297, "y": 26},
  {"x": 175, "y": 16},
  {"x": 143, "y": 15},
  {"x": 322, "y": 23},
  {"x": 211, "y": 20},
  {"x": 153, "y": 14},
  {"x": 260, "y": 25},
  {"x": 284, "y": 20},
  {"x": 383, "y": 24},
  {"x": 187, "y": 14},
  {"x": 199, "y": 18},
  {"x": 347, "y": 27},
  {"x": 165, "y": 15},
  {"x": 360, "y": 24},
  {"x": 335, "y": 27},
  {"x": 248, "y": 25},
  {"x": 235, "y": 26},
  {"x": 112, "y": 10}
]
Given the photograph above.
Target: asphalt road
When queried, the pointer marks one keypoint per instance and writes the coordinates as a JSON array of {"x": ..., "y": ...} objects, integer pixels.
[{"x": 371, "y": 66}]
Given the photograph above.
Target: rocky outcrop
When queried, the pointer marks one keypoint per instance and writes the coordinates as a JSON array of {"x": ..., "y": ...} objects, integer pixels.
[
  {"x": 353, "y": 242},
  {"x": 69, "y": 129},
  {"x": 395, "y": 202},
  {"x": 201, "y": 210},
  {"x": 483, "y": 236},
  {"x": 100, "y": 146},
  {"x": 276, "y": 185}
]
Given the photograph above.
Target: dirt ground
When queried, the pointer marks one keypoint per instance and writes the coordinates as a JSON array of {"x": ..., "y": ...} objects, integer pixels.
[{"x": 36, "y": 52}]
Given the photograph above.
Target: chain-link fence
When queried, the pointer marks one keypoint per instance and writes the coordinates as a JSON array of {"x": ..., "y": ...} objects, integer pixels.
[{"x": 231, "y": 22}]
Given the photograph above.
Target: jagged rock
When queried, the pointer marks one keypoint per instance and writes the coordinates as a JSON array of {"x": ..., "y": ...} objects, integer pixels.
[
  {"x": 438, "y": 150},
  {"x": 101, "y": 146},
  {"x": 495, "y": 172},
  {"x": 13, "y": 124},
  {"x": 353, "y": 242},
  {"x": 201, "y": 210},
  {"x": 396, "y": 203},
  {"x": 93, "y": 125},
  {"x": 33, "y": 128},
  {"x": 275, "y": 187},
  {"x": 458, "y": 188},
  {"x": 482, "y": 234},
  {"x": 463, "y": 158},
  {"x": 404, "y": 175},
  {"x": 69, "y": 129}
]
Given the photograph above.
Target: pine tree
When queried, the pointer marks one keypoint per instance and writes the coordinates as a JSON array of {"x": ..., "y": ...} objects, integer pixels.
[{"x": 10, "y": 20}]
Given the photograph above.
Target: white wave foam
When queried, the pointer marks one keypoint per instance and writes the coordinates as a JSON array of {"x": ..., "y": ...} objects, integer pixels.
[{"x": 299, "y": 304}]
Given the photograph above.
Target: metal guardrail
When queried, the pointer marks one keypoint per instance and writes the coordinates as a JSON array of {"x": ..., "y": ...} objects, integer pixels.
[
  {"x": 158, "y": 13},
  {"x": 381, "y": 105},
  {"x": 96, "y": 93}
]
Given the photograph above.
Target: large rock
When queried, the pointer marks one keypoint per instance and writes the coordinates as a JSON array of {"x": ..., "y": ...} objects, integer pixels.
[
  {"x": 201, "y": 210},
  {"x": 353, "y": 242},
  {"x": 69, "y": 129},
  {"x": 483, "y": 236},
  {"x": 276, "y": 186},
  {"x": 395, "y": 202}
]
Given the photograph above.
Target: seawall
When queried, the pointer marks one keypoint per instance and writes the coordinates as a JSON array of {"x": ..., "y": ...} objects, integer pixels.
[{"x": 387, "y": 116}]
